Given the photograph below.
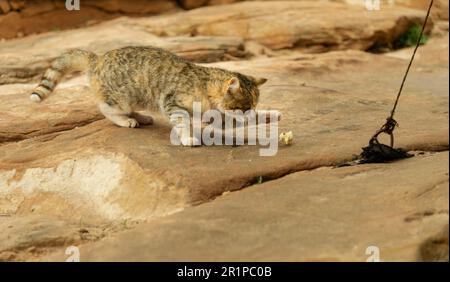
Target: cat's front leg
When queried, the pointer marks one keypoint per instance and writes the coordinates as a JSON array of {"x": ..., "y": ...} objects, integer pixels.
[
  {"x": 142, "y": 118},
  {"x": 117, "y": 116},
  {"x": 181, "y": 121}
]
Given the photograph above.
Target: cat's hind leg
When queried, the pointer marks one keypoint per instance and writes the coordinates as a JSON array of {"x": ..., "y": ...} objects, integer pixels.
[
  {"x": 142, "y": 118},
  {"x": 117, "y": 116}
]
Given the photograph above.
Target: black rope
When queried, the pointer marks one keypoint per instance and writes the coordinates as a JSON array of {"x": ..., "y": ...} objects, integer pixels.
[
  {"x": 412, "y": 59},
  {"x": 391, "y": 123},
  {"x": 377, "y": 152}
]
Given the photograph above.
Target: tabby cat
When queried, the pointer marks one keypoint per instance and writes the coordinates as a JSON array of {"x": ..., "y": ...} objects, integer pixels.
[{"x": 131, "y": 79}]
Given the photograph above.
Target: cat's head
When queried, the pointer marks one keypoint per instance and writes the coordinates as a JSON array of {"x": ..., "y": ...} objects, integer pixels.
[{"x": 240, "y": 92}]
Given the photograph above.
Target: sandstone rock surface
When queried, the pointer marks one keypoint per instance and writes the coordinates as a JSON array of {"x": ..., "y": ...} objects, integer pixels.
[
  {"x": 138, "y": 173},
  {"x": 22, "y": 18},
  {"x": 19, "y": 17},
  {"x": 21, "y": 120},
  {"x": 219, "y": 33},
  {"x": 321, "y": 215},
  {"x": 25, "y": 59},
  {"x": 308, "y": 25},
  {"x": 70, "y": 177},
  {"x": 439, "y": 10}
]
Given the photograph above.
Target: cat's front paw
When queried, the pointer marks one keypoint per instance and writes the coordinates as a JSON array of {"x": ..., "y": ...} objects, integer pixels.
[
  {"x": 190, "y": 141},
  {"x": 132, "y": 123}
]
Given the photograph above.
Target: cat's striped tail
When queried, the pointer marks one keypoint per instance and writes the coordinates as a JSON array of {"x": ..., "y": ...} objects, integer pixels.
[{"x": 71, "y": 61}]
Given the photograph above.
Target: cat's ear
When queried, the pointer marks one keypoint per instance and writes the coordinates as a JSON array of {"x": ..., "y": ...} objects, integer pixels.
[
  {"x": 233, "y": 85},
  {"x": 259, "y": 80}
]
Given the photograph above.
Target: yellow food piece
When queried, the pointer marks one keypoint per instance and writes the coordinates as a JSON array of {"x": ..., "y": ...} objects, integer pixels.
[{"x": 286, "y": 137}]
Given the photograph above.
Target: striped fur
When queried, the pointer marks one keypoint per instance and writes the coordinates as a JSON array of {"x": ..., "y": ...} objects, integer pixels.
[
  {"x": 74, "y": 60},
  {"x": 146, "y": 78}
]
